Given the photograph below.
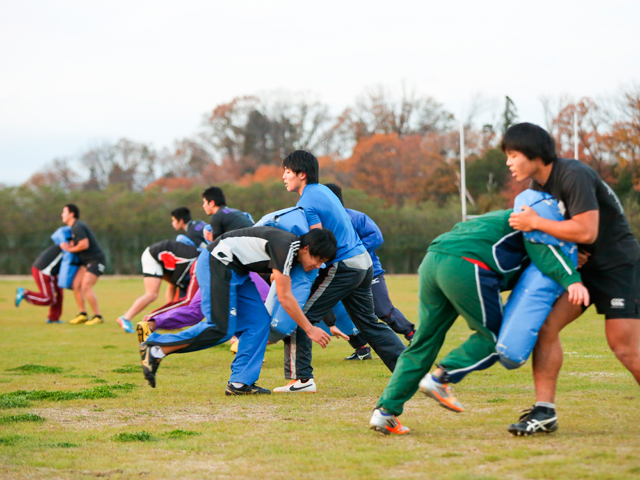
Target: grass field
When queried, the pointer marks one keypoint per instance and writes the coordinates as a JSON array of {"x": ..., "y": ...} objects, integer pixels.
[{"x": 82, "y": 409}]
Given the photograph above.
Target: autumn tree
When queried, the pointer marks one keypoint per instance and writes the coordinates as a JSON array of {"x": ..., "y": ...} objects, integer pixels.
[{"x": 58, "y": 173}]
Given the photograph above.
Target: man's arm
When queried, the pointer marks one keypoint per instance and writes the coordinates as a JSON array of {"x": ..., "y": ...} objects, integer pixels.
[
  {"x": 170, "y": 293},
  {"x": 317, "y": 225},
  {"x": 370, "y": 234},
  {"x": 291, "y": 306},
  {"x": 581, "y": 228},
  {"x": 79, "y": 247}
]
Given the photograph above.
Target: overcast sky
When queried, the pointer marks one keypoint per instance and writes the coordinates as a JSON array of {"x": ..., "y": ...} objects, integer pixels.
[{"x": 74, "y": 74}]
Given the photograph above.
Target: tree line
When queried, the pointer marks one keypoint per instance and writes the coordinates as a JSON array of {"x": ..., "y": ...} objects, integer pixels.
[{"x": 398, "y": 157}]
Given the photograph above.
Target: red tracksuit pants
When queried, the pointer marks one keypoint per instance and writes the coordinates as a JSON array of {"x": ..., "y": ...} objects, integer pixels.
[{"x": 49, "y": 293}]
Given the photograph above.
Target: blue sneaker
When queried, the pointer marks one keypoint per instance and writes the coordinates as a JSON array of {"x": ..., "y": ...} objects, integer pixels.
[
  {"x": 54, "y": 321},
  {"x": 19, "y": 295},
  {"x": 125, "y": 324}
]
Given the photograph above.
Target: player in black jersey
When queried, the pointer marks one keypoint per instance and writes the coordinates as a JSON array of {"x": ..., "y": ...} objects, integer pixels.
[
  {"x": 45, "y": 272},
  {"x": 232, "y": 304},
  {"x": 193, "y": 229},
  {"x": 92, "y": 264},
  {"x": 223, "y": 218},
  {"x": 169, "y": 260},
  {"x": 609, "y": 260}
]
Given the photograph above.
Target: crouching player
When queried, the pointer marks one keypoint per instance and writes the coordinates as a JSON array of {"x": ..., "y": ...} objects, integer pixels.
[
  {"x": 231, "y": 302},
  {"x": 463, "y": 273},
  {"x": 168, "y": 259}
]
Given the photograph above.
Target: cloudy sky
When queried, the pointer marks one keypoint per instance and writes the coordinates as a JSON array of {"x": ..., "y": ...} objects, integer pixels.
[{"x": 74, "y": 74}]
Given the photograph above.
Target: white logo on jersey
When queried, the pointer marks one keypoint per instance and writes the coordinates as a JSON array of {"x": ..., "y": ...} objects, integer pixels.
[
  {"x": 562, "y": 208},
  {"x": 233, "y": 312},
  {"x": 617, "y": 303}
]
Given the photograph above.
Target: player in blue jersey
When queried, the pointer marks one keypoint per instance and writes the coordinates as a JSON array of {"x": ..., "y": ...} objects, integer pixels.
[
  {"x": 371, "y": 237},
  {"x": 347, "y": 278}
]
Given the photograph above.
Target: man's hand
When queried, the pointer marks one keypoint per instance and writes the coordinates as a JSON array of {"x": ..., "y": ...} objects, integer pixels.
[
  {"x": 338, "y": 333},
  {"x": 208, "y": 236},
  {"x": 578, "y": 294},
  {"x": 525, "y": 221},
  {"x": 319, "y": 336},
  {"x": 583, "y": 257},
  {"x": 65, "y": 246}
]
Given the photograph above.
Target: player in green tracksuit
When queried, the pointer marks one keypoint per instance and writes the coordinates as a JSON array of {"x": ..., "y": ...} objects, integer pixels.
[{"x": 463, "y": 273}]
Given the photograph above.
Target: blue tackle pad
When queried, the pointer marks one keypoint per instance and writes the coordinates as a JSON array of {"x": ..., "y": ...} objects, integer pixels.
[
  {"x": 70, "y": 263},
  {"x": 534, "y": 294}
]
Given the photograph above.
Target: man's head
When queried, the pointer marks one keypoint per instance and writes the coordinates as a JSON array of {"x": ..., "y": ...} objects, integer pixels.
[
  {"x": 300, "y": 169},
  {"x": 318, "y": 246},
  {"x": 528, "y": 147},
  {"x": 336, "y": 190},
  {"x": 212, "y": 200},
  {"x": 70, "y": 213},
  {"x": 180, "y": 217}
]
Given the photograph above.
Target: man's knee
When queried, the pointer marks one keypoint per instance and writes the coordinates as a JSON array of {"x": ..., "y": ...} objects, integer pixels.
[{"x": 625, "y": 351}]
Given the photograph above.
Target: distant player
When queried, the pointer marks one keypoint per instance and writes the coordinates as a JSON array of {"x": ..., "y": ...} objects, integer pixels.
[
  {"x": 235, "y": 306},
  {"x": 346, "y": 278},
  {"x": 92, "y": 264},
  {"x": 45, "y": 272},
  {"x": 193, "y": 229},
  {"x": 371, "y": 237},
  {"x": 609, "y": 259},
  {"x": 169, "y": 260},
  {"x": 463, "y": 273},
  {"x": 223, "y": 219}
]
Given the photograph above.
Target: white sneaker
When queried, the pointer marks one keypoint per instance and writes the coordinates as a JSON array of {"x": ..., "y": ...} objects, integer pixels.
[
  {"x": 440, "y": 393},
  {"x": 386, "y": 423},
  {"x": 295, "y": 386}
]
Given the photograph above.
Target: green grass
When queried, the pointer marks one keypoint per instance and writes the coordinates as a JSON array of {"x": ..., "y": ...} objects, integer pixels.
[
  {"x": 198, "y": 432},
  {"x": 30, "y": 369}
]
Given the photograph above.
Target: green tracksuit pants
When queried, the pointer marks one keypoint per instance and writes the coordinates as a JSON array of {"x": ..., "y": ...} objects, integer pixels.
[{"x": 449, "y": 286}]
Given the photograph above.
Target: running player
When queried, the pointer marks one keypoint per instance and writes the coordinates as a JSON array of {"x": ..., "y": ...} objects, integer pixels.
[
  {"x": 193, "y": 229},
  {"x": 92, "y": 264},
  {"x": 45, "y": 272},
  {"x": 463, "y": 273},
  {"x": 169, "y": 260},
  {"x": 609, "y": 259},
  {"x": 371, "y": 237},
  {"x": 347, "y": 278},
  {"x": 233, "y": 305}
]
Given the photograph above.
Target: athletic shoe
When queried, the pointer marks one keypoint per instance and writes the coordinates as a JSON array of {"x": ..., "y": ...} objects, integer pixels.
[
  {"x": 19, "y": 295},
  {"x": 295, "y": 386},
  {"x": 439, "y": 392},
  {"x": 126, "y": 325},
  {"x": 54, "y": 321},
  {"x": 386, "y": 423},
  {"x": 365, "y": 354},
  {"x": 150, "y": 364},
  {"x": 81, "y": 318},
  {"x": 535, "y": 420},
  {"x": 246, "y": 390},
  {"x": 96, "y": 320},
  {"x": 143, "y": 331}
]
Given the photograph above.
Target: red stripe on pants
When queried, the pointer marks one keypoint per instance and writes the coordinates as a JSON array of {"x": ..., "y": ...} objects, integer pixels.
[{"x": 49, "y": 293}]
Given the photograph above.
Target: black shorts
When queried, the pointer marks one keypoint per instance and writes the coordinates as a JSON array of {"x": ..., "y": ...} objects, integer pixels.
[
  {"x": 95, "y": 265},
  {"x": 615, "y": 292}
]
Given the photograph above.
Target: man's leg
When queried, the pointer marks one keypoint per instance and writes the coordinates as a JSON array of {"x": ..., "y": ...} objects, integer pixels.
[
  {"x": 77, "y": 288},
  {"x": 435, "y": 317},
  {"x": 385, "y": 310},
  {"x": 623, "y": 336},
  {"x": 151, "y": 291},
  {"x": 55, "y": 311},
  {"x": 45, "y": 294},
  {"x": 547, "y": 353},
  {"x": 359, "y": 305},
  {"x": 88, "y": 281}
]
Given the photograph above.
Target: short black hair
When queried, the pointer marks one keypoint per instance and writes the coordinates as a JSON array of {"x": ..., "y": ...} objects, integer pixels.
[
  {"x": 322, "y": 243},
  {"x": 73, "y": 208},
  {"x": 216, "y": 194},
  {"x": 530, "y": 140},
  {"x": 305, "y": 162},
  {"x": 182, "y": 213},
  {"x": 335, "y": 189}
]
